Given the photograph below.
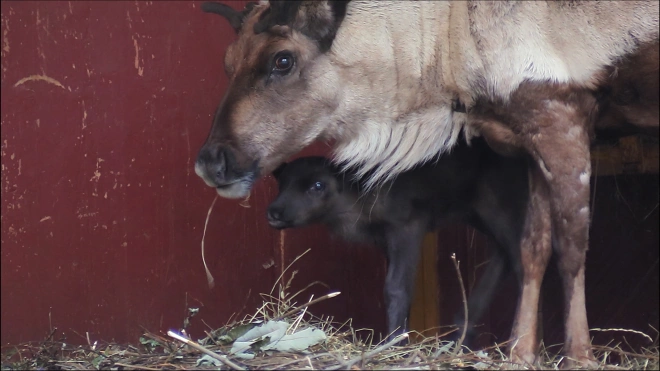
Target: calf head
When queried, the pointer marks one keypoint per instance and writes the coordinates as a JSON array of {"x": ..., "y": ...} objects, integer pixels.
[
  {"x": 274, "y": 70},
  {"x": 309, "y": 191}
]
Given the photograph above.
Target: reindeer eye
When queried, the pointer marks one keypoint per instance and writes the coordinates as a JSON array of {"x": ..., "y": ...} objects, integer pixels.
[{"x": 283, "y": 62}]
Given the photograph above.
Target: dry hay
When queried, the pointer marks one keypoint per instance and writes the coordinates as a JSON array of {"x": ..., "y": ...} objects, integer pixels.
[{"x": 342, "y": 348}]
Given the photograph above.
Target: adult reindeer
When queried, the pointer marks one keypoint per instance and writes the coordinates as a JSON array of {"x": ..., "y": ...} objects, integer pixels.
[{"x": 393, "y": 83}]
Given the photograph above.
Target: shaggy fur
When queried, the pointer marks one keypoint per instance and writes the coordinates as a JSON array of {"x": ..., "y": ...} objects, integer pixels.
[
  {"x": 401, "y": 82},
  {"x": 481, "y": 52}
]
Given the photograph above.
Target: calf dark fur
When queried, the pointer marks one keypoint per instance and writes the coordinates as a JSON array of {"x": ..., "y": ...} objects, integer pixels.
[{"x": 470, "y": 185}]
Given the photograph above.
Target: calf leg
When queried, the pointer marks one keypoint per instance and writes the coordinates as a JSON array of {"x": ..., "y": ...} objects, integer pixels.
[
  {"x": 535, "y": 252},
  {"x": 403, "y": 250}
]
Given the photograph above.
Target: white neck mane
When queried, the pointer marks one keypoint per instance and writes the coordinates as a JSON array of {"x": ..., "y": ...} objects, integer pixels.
[{"x": 402, "y": 63}]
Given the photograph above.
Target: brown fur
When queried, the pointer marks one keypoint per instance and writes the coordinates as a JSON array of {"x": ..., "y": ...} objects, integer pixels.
[
  {"x": 632, "y": 93},
  {"x": 553, "y": 124}
]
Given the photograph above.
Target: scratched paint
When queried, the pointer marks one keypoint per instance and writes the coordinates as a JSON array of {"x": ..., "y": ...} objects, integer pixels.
[
  {"x": 105, "y": 105},
  {"x": 43, "y": 78}
]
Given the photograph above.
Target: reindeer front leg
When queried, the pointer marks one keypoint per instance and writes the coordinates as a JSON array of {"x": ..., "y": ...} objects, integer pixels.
[
  {"x": 535, "y": 252},
  {"x": 555, "y": 133},
  {"x": 563, "y": 156},
  {"x": 551, "y": 123}
]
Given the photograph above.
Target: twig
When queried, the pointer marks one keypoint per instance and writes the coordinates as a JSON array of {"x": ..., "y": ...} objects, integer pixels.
[
  {"x": 459, "y": 343},
  {"x": 193, "y": 344},
  {"x": 370, "y": 354},
  {"x": 287, "y": 268},
  {"x": 623, "y": 352},
  {"x": 291, "y": 297},
  {"x": 209, "y": 277},
  {"x": 622, "y": 330},
  {"x": 294, "y": 326},
  {"x": 294, "y": 310},
  {"x": 246, "y": 202},
  {"x": 50, "y": 336},
  {"x": 50, "y": 323},
  {"x": 650, "y": 212},
  {"x": 136, "y": 366},
  {"x": 311, "y": 356},
  {"x": 653, "y": 328},
  {"x": 161, "y": 340},
  {"x": 411, "y": 358}
]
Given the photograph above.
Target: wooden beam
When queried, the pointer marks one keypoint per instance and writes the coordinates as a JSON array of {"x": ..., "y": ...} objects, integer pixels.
[
  {"x": 425, "y": 308},
  {"x": 630, "y": 155}
]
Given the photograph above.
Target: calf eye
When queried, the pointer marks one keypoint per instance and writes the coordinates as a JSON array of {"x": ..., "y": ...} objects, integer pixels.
[
  {"x": 283, "y": 62},
  {"x": 318, "y": 186}
]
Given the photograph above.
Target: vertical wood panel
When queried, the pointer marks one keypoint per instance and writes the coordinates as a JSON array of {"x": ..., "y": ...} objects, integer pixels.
[
  {"x": 104, "y": 107},
  {"x": 425, "y": 310}
]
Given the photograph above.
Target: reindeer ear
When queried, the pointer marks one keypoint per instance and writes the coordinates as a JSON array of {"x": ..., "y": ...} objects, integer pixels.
[
  {"x": 234, "y": 17},
  {"x": 318, "y": 20},
  {"x": 278, "y": 171}
]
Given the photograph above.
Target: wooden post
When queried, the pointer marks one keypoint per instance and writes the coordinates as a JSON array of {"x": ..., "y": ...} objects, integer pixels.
[
  {"x": 425, "y": 308},
  {"x": 630, "y": 155}
]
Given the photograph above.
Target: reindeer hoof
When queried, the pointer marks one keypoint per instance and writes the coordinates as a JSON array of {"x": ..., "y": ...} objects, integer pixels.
[
  {"x": 525, "y": 359},
  {"x": 584, "y": 364}
]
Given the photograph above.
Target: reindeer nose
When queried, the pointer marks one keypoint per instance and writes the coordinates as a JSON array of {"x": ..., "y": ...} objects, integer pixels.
[
  {"x": 274, "y": 214},
  {"x": 211, "y": 165}
]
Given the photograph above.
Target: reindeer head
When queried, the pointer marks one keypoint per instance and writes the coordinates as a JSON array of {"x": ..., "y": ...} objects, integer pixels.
[{"x": 279, "y": 90}]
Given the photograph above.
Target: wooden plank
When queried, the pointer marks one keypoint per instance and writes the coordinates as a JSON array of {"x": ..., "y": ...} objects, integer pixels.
[
  {"x": 630, "y": 155},
  {"x": 424, "y": 311}
]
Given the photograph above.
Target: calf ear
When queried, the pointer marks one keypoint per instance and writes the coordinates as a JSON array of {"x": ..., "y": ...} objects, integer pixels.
[
  {"x": 234, "y": 17},
  {"x": 318, "y": 20},
  {"x": 278, "y": 171}
]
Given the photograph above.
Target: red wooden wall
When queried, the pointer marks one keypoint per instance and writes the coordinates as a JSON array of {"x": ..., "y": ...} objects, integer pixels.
[{"x": 104, "y": 107}]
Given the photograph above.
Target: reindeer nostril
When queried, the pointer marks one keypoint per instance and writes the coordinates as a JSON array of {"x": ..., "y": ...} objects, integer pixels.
[
  {"x": 217, "y": 167},
  {"x": 220, "y": 165},
  {"x": 220, "y": 154}
]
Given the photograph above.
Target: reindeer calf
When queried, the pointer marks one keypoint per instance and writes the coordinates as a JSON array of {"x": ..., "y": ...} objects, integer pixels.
[{"x": 471, "y": 185}]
